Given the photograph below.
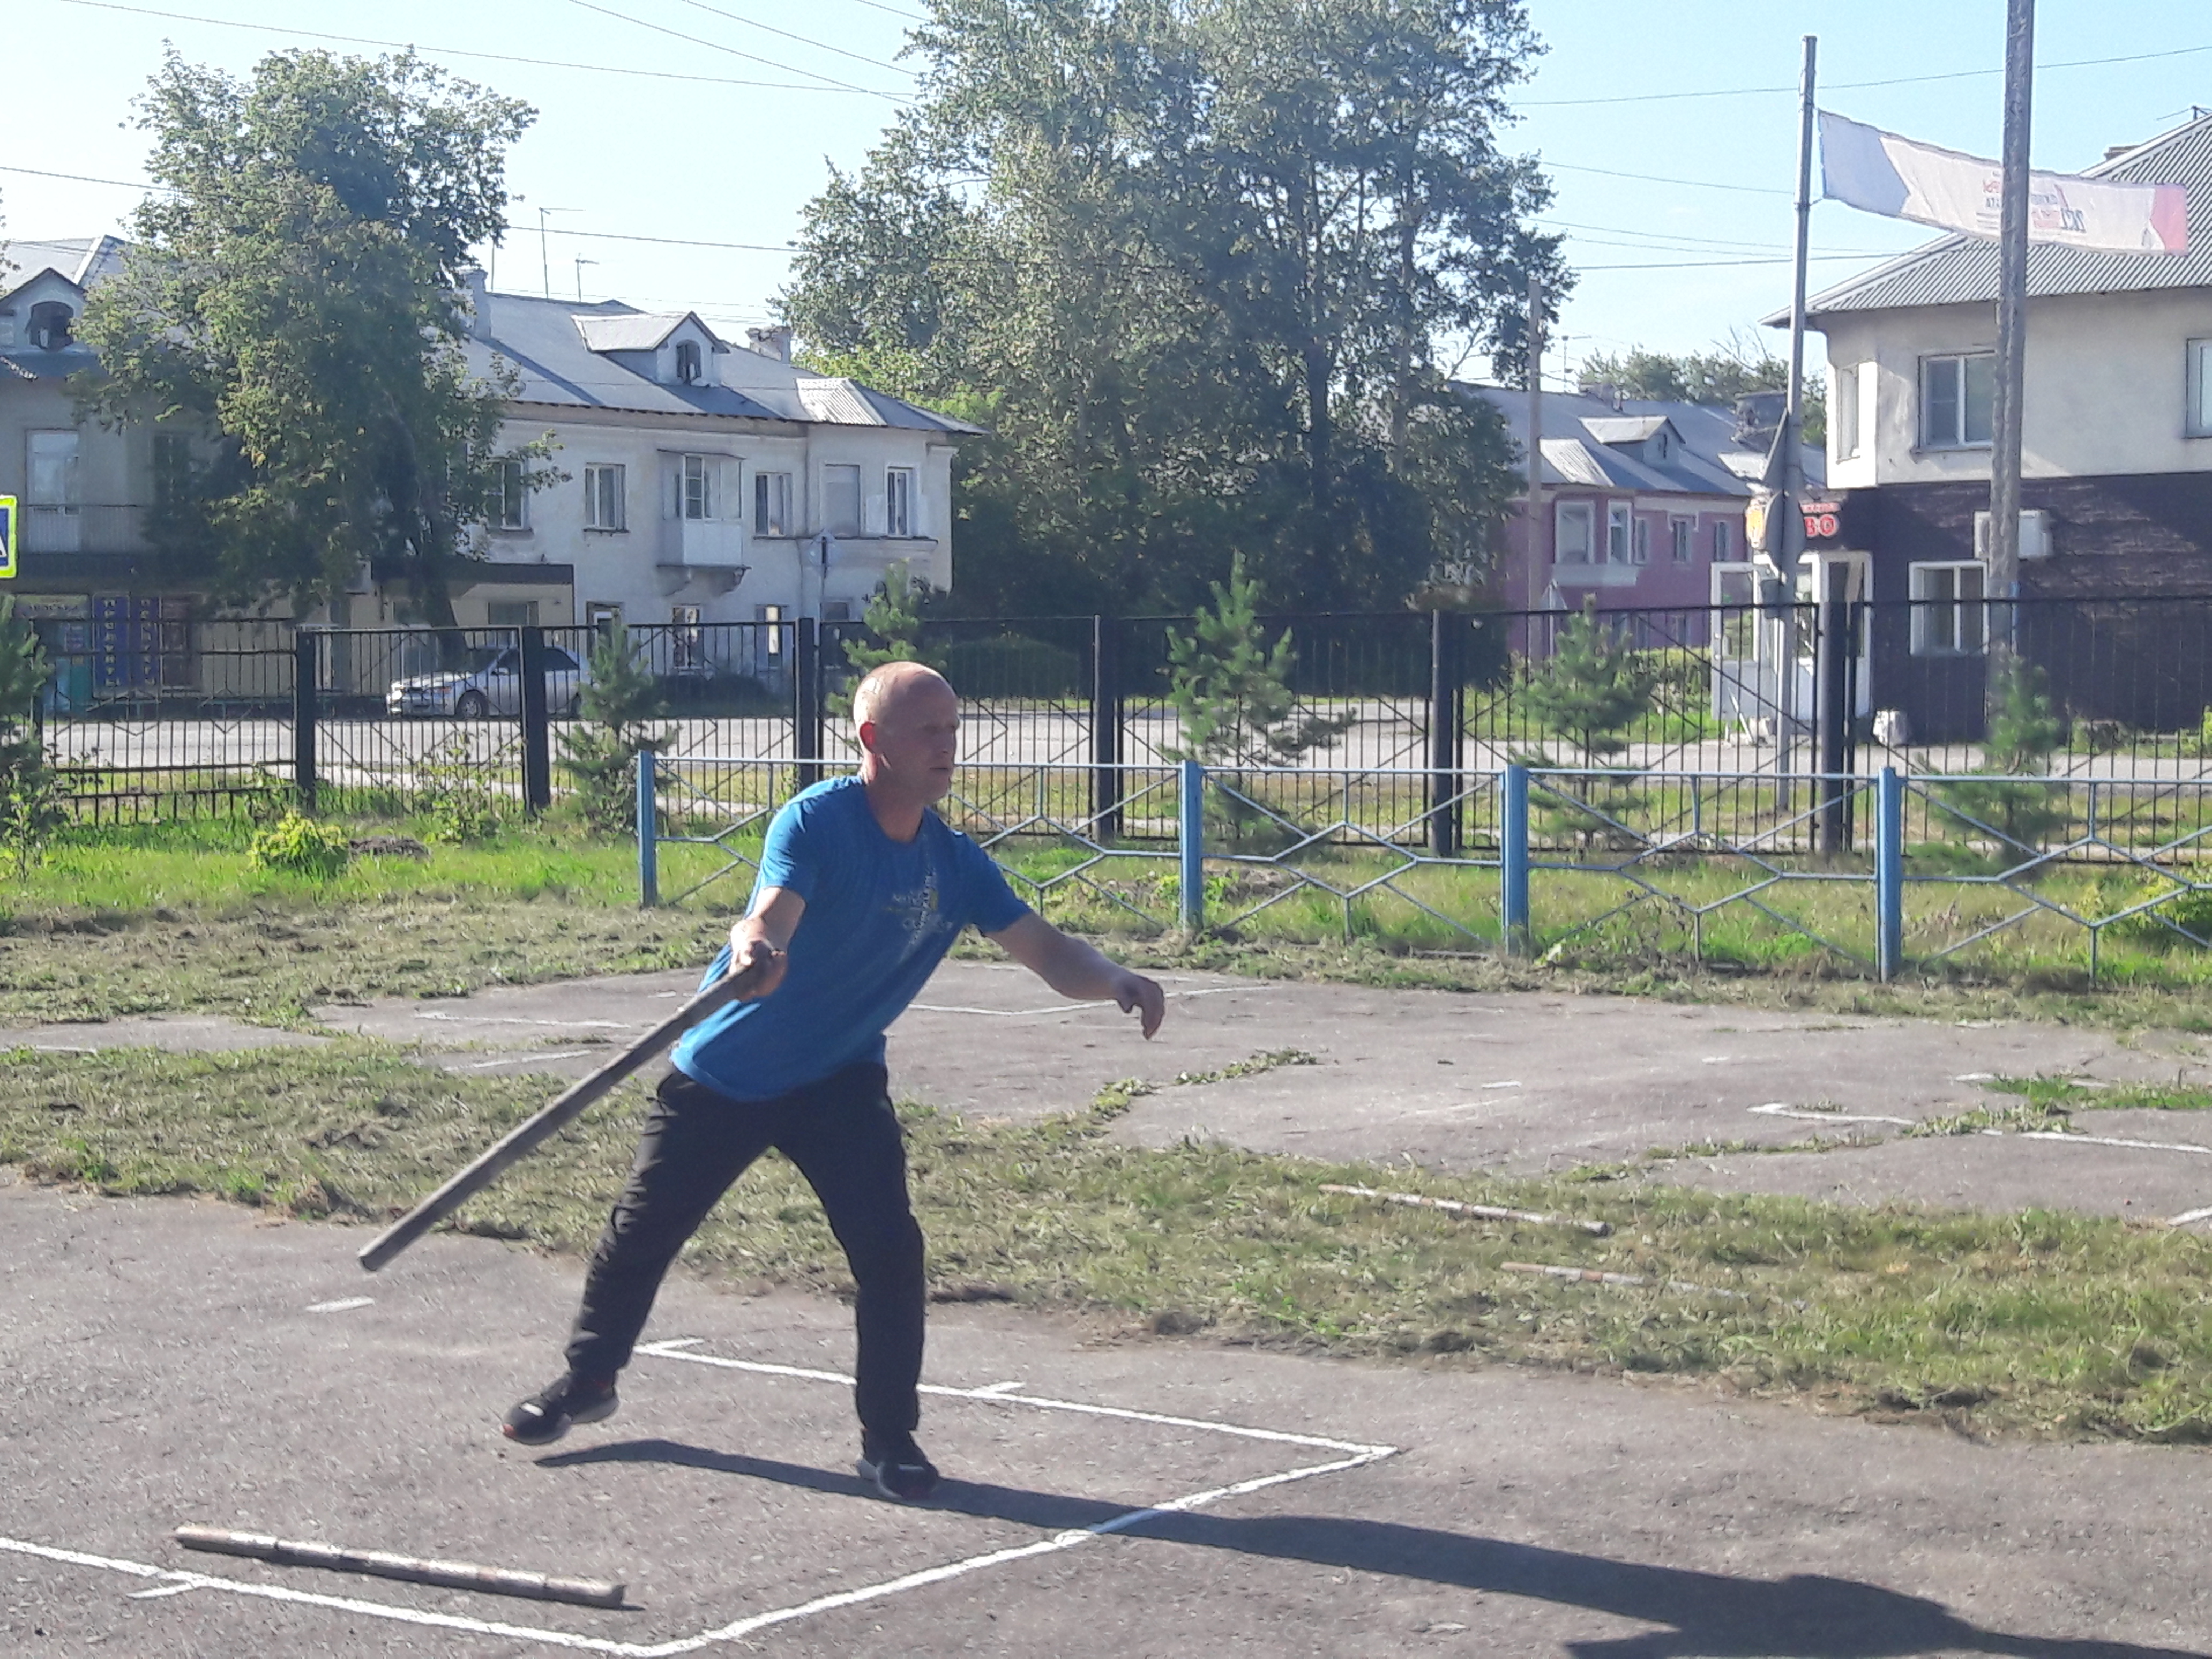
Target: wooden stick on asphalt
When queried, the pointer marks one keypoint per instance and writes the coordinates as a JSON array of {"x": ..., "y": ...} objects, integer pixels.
[
  {"x": 381, "y": 1564},
  {"x": 1482, "y": 1212},
  {"x": 527, "y": 1136}
]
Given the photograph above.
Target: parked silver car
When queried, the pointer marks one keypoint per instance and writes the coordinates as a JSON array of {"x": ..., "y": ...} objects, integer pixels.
[{"x": 490, "y": 684}]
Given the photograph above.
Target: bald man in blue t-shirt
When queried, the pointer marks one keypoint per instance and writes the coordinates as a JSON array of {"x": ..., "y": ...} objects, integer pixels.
[{"x": 862, "y": 889}]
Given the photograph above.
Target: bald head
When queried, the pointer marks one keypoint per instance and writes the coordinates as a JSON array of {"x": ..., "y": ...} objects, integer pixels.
[{"x": 885, "y": 692}]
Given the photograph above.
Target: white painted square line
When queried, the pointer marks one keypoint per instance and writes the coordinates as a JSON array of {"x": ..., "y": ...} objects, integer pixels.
[
  {"x": 1354, "y": 1454},
  {"x": 343, "y": 1304}
]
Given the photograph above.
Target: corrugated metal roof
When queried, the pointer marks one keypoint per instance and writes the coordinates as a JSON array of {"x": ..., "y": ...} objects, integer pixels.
[
  {"x": 838, "y": 401},
  {"x": 1703, "y": 463},
  {"x": 637, "y": 331},
  {"x": 1963, "y": 270},
  {"x": 1623, "y": 429},
  {"x": 83, "y": 260}
]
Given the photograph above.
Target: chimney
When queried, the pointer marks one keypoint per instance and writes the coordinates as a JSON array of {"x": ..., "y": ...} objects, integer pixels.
[
  {"x": 474, "y": 287},
  {"x": 771, "y": 342}
]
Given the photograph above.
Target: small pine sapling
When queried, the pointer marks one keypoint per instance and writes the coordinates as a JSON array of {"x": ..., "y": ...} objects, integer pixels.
[
  {"x": 29, "y": 807},
  {"x": 1592, "y": 691},
  {"x": 2024, "y": 731},
  {"x": 894, "y": 622},
  {"x": 620, "y": 706}
]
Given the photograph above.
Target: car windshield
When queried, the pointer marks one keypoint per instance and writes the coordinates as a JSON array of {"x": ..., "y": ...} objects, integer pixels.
[{"x": 559, "y": 661}]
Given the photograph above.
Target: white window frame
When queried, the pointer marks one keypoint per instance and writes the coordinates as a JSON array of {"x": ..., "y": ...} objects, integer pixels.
[
  {"x": 509, "y": 506},
  {"x": 1639, "y": 538},
  {"x": 772, "y": 505},
  {"x": 606, "y": 496},
  {"x": 1620, "y": 520},
  {"x": 772, "y": 615},
  {"x": 1958, "y": 365},
  {"x": 898, "y": 500},
  {"x": 1723, "y": 541},
  {"x": 1945, "y": 622},
  {"x": 1683, "y": 533},
  {"x": 695, "y": 487},
  {"x": 1578, "y": 513},
  {"x": 2198, "y": 362},
  {"x": 1843, "y": 418}
]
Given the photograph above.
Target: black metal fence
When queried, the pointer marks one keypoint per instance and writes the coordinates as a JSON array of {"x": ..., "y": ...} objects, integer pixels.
[{"x": 1365, "y": 728}]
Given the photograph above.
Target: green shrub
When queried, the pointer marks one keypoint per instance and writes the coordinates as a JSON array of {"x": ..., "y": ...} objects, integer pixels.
[
  {"x": 297, "y": 843},
  {"x": 2189, "y": 908},
  {"x": 455, "y": 793},
  {"x": 1011, "y": 665}
]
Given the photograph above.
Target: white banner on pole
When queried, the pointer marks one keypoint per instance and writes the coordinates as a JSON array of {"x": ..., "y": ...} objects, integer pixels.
[{"x": 1881, "y": 172}]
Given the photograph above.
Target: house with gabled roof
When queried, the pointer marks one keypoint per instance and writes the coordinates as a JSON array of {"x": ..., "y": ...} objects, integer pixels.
[
  {"x": 1643, "y": 501},
  {"x": 697, "y": 481},
  {"x": 2117, "y": 450}
]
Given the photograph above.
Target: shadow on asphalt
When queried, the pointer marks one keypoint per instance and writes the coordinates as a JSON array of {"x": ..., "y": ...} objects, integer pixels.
[{"x": 1711, "y": 1616}]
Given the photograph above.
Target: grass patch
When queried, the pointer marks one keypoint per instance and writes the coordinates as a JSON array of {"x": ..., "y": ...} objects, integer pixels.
[{"x": 2035, "y": 1324}]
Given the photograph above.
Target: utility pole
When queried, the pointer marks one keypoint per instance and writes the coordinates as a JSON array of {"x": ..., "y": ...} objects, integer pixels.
[
  {"x": 1539, "y": 549},
  {"x": 2002, "y": 578},
  {"x": 1787, "y": 538}
]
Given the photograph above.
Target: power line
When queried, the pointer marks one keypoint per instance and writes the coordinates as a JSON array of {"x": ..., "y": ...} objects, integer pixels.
[
  {"x": 716, "y": 45},
  {"x": 1656, "y": 178},
  {"x": 1851, "y": 86},
  {"x": 802, "y": 39},
  {"x": 458, "y": 52}
]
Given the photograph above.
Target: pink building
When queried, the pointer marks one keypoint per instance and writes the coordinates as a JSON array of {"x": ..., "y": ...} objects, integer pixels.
[{"x": 1644, "y": 503}]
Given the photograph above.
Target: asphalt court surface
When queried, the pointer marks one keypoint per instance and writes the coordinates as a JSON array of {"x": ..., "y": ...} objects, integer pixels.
[
  {"x": 174, "y": 1361},
  {"x": 1519, "y": 1083}
]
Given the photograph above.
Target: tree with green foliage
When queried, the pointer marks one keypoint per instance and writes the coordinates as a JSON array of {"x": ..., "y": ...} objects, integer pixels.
[
  {"x": 28, "y": 811},
  {"x": 893, "y": 616},
  {"x": 1232, "y": 689},
  {"x": 621, "y": 704},
  {"x": 2024, "y": 731},
  {"x": 1219, "y": 266},
  {"x": 290, "y": 303},
  {"x": 1592, "y": 689},
  {"x": 1733, "y": 369}
]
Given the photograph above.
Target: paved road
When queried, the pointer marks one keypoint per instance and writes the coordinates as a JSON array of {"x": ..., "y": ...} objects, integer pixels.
[{"x": 172, "y": 1361}]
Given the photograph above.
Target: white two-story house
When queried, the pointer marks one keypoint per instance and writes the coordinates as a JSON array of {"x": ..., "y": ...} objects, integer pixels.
[
  {"x": 702, "y": 482},
  {"x": 2117, "y": 455}
]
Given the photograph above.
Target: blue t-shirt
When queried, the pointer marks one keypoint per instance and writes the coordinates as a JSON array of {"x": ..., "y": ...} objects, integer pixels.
[{"x": 880, "y": 915}]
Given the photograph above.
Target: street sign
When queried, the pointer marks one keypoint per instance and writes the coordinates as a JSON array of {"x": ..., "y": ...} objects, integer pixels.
[{"x": 8, "y": 522}]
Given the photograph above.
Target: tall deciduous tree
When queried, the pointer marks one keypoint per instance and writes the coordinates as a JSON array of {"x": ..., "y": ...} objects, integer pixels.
[
  {"x": 291, "y": 296},
  {"x": 1216, "y": 261}
]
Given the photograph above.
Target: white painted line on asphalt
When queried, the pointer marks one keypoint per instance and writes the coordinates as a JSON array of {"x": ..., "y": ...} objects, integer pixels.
[
  {"x": 184, "y": 1581},
  {"x": 2103, "y": 1140},
  {"x": 1484, "y": 1212},
  {"x": 1783, "y": 1108},
  {"x": 1057, "y": 1007},
  {"x": 517, "y": 1019},
  {"x": 1065, "y": 1540},
  {"x": 165, "y": 1590},
  {"x": 524, "y": 1059},
  {"x": 1975, "y": 1076},
  {"x": 342, "y": 1305},
  {"x": 1513, "y": 1083},
  {"x": 676, "y": 1350},
  {"x": 172, "y": 1581},
  {"x": 2189, "y": 1217}
]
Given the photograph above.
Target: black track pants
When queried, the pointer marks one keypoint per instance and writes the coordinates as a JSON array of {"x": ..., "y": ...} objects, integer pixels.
[{"x": 845, "y": 1139}]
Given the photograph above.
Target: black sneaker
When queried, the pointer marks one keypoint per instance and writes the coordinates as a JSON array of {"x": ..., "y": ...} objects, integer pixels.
[
  {"x": 897, "y": 1467},
  {"x": 545, "y": 1416}
]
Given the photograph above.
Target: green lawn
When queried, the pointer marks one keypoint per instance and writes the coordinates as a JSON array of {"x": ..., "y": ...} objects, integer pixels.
[{"x": 2034, "y": 1324}]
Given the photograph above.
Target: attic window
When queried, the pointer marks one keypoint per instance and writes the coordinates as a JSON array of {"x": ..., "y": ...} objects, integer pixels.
[
  {"x": 687, "y": 361},
  {"x": 50, "y": 326}
]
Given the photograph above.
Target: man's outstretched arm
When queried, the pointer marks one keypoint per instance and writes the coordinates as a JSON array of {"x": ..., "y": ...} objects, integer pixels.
[
  {"x": 1076, "y": 969},
  {"x": 759, "y": 942}
]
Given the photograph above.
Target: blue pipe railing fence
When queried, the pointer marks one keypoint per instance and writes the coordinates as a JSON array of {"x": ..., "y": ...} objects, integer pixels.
[{"x": 1538, "y": 858}]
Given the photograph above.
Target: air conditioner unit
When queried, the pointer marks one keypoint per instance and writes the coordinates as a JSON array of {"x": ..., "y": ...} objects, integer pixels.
[{"x": 2035, "y": 541}]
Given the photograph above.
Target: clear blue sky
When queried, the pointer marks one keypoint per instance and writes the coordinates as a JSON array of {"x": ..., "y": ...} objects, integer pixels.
[{"x": 692, "y": 158}]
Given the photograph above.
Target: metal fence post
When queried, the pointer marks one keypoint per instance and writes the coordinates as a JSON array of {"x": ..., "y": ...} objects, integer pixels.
[
  {"x": 537, "y": 739},
  {"x": 1105, "y": 728},
  {"x": 648, "y": 832},
  {"x": 807, "y": 699},
  {"x": 306, "y": 654},
  {"x": 1513, "y": 861},
  {"x": 1889, "y": 873},
  {"x": 1831, "y": 700},
  {"x": 1444, "y": 734},
  {"x": 1190, "y": 807}
]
